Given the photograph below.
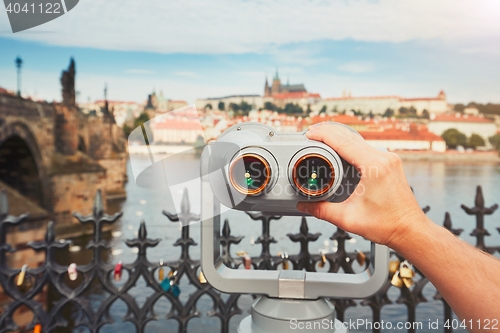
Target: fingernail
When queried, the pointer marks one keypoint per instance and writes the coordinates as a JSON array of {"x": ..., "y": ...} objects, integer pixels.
[{"x": 302, "y": 206}]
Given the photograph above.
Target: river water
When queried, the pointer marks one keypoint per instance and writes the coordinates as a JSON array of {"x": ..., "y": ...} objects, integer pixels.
[{"x": 443, "y": 186}]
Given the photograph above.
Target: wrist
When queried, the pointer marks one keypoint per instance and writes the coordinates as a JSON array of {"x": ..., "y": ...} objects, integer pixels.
[{"x": 411, "y": 229}]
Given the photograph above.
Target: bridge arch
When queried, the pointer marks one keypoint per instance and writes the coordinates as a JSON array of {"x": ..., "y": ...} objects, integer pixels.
[{"x": 21, "y": 165}]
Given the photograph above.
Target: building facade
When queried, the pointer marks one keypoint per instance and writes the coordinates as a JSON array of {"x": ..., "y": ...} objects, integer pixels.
[
  {"x": 399, "y": 139},
  {"x": 378, "y": 105},
  {"x": 467, "y": 124}
]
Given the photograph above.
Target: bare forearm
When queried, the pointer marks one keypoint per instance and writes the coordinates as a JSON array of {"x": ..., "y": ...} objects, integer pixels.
[{"x": 459, "y": 271}]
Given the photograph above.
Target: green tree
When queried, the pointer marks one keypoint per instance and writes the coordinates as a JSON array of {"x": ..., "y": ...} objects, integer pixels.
[
  {"x": 495, "y": 141},
  {"x": 126, "y": 130},
  {"x": 291, "y": 108},
  {"x": 475, "y": 141},
  {"x": 235, "y": 107},
  {"x": 245, "y": 107},
  {"x": 143, "y": 117},
  {"x": 411, "y": 111},
  {"x": 208, "y": 106},
  {"x": 270, "y": 106},
  {"x": 425, "y": 114},
  {"x": 199, "y": 145},
  {"x": 323, "y": 109},
  {"x": 221, "y": 106},
  {"x": 454, "y": 138},
  {"x": 138, "y": 135},
  {"x": 388, "y": 113},
  {"x": 459, "y": 107}
]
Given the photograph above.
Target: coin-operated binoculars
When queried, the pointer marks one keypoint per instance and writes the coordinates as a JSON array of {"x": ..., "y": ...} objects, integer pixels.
[{"x": 252, "y": 168}]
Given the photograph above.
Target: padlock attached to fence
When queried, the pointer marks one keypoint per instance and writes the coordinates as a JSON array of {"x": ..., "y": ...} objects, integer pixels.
[
  {"x": 118, "y": 271},
  {"x": 22, "y": 275},
  {"x": 323, "y": 261},
  {"x": 360, "y": 257},
  {"x": 161, "y": 273},
  {"x": 72, "y": 272},
  {"x": 285, "y": 263}
]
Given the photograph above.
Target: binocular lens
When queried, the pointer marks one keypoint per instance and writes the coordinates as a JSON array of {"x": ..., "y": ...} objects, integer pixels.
[
  {"x": 313, "y": 175},
  {"x": 249, "y": 174}
]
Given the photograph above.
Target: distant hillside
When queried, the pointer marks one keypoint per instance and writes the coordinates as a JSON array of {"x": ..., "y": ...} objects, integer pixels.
[{"x": 483, "y": 108}]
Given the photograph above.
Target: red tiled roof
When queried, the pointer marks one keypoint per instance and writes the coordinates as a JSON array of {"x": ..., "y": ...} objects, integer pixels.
[
  {"x": 440, "y": 96},
  {"x": 343, "y": 119},
  {"x": 296, "y": 95},
  {"x": 397, "y": 134},
  {"x": 5, "y": 92},
  {"x": 461, "y": 118}
]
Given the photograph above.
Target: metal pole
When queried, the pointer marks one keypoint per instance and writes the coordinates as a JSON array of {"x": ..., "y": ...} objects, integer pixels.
[{"x": 271, "y": 315}]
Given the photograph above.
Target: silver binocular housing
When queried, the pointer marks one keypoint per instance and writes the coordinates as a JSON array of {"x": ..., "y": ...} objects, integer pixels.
[{"x": 251, "y": 167}]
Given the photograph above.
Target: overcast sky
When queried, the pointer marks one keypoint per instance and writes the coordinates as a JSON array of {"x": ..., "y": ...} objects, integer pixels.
[{"x": 198, "y": 49}]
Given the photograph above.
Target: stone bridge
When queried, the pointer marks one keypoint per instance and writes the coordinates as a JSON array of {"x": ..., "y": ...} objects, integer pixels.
[{"x": 55, "y": 157}]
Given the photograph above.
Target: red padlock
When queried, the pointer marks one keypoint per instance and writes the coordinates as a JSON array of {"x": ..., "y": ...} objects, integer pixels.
[
  {"x": 247, "y": 261},
  {"x": 118, "y": 271}
]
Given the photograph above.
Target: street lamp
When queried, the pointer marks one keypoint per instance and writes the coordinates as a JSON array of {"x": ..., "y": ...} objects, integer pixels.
[{"x": 19, "y": 63}]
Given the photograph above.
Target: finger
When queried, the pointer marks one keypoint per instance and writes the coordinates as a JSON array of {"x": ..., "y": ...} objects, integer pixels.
[
  {"x": 328, "y": 211},
  {"x": 349, "y": 145}
]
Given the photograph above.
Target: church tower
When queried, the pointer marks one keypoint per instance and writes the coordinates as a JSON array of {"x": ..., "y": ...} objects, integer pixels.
[
  {"x": 276, "y": 88},
  {"x": 266, "y": 89}
]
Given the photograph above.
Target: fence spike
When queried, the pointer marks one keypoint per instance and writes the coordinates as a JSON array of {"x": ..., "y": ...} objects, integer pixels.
[
  {"x": 143, "y": 233},
  {"x": 185, "y": 205},
  {"x": 98, "y": 207},
  {"x": 479, "y": 197},
  {"x": 4, "y": 203}
]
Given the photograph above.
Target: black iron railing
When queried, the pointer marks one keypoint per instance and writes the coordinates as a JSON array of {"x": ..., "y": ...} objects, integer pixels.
[{"x": 50, "y": 275}]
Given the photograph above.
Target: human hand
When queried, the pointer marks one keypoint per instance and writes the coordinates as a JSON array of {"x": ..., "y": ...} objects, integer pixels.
[{"x": 382, "y": 207}]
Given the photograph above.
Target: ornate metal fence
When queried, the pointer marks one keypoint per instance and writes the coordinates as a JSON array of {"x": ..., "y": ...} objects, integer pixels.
[{"x": 48, "y": 317}]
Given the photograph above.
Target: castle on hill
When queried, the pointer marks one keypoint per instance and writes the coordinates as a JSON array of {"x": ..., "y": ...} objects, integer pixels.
[{"x": 278, "y": 88}]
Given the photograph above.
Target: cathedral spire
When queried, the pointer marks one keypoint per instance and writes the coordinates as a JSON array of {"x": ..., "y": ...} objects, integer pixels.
[{"x": 276, "y": 76}]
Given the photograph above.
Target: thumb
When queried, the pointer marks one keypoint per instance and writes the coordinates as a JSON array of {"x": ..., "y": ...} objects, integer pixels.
[{"x": 328, "y": 211}]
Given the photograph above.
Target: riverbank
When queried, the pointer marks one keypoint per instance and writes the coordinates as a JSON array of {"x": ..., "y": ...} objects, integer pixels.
[
  {"x": 449, "y": 156},
  {"x": 160, "y": 149}
]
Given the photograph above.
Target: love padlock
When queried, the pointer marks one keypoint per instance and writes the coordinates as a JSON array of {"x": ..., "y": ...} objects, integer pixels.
[
  {"x": 360, "y": 258},
  {"x": 396, "y": 280},
  {"x": 118, "y": 271},
  {"x": 21, "y": 276},
  {"x": 37, "y": 328},
  {"x": 166, "y": 284},
  {"x": 394, "y": 266},
  {"x": 201, "y": 277},
  {"x": 247, "y": 261},
  {"x": 161, "y": 274},
  {"x": 406, "y": 270},
  {"x": 323, "y": 259},
  {"x": 176, "y": 291},
  {"x": 72, "y": 272},
  {"x": 408, "y": 282},
  {"x": 241, "y": 253},
  {"x": 285, "y": 265}
]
